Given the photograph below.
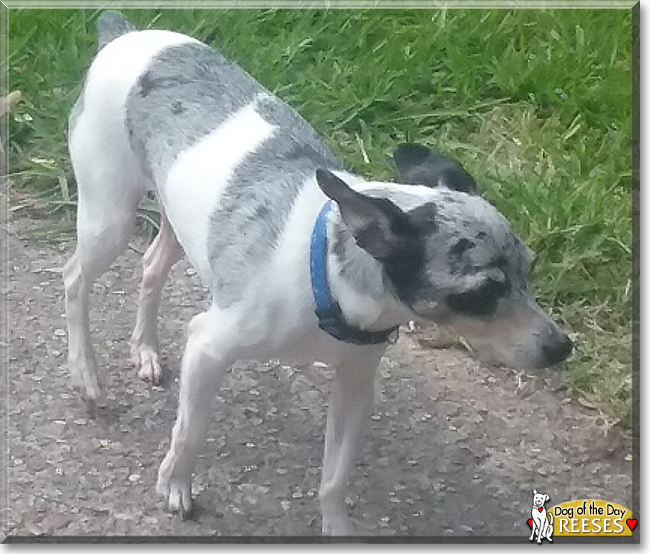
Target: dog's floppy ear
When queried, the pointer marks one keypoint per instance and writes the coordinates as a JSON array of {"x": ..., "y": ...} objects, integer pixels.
[
  {"x": 419, "y": 165},
  {"x": 377, "y": 225}
]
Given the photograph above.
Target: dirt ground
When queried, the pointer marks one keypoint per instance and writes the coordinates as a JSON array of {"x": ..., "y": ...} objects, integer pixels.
[{"x": 453, "y": 448}]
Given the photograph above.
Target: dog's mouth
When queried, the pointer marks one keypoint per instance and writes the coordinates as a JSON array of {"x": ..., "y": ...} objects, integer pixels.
[{"x": 520, "y": 336}]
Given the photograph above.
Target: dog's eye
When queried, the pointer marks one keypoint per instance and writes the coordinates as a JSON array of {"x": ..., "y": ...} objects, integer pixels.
[{"x": 480, "y": 302}]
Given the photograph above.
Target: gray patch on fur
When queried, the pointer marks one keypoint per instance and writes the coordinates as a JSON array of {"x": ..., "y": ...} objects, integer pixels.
[
  {"x": 186, "y": 93},
  {"x": 256, "y": 204},
  {"x": 111, "y": 25},
  {"x": 473, "y": 241}
]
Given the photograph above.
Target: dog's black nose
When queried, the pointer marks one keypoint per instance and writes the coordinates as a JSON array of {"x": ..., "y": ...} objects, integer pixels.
[{"x": 558, "y": 351}]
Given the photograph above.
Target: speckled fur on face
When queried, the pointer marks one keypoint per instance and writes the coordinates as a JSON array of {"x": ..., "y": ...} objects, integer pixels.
[{"x": 462, "y": 245}]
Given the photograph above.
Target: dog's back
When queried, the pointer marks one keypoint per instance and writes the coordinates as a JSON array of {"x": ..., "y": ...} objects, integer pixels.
[
  {"x": 227, "y": 157},
  {"x": 212, "y": 138}
]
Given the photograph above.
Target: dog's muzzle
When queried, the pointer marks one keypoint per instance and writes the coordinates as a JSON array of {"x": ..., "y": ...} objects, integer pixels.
[{"x": 557, "y": 350}]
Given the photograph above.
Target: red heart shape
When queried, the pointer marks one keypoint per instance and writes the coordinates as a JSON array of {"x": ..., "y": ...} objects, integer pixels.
[
  {"x": 631, "y": 523},
  {"x": 539, "y": 509},
  {"x": 530, "y": 523}
]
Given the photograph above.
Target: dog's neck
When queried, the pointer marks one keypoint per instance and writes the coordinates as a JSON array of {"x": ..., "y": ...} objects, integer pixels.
[{"x": 358, "y": 282}]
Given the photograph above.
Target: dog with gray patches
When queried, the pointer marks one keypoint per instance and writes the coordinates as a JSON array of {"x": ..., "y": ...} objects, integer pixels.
[{"x": 304, "y": 260}]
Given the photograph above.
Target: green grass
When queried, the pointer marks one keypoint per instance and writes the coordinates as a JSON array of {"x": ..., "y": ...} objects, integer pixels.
[{"x": 536, "y": 104}]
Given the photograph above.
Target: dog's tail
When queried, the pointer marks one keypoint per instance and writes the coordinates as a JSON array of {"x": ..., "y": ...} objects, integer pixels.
[{"x": 111, "y": 25}]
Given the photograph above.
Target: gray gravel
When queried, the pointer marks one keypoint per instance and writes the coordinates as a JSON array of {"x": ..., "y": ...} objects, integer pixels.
[{"x": 453, "y": 449}]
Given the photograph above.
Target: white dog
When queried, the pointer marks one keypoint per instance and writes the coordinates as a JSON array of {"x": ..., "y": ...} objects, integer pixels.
[
  {"x": 541, "y": 522},
  {"x": 304, "y": 261}
]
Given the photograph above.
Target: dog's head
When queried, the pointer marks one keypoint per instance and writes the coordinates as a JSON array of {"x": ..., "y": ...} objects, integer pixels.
[
  {"x": 539, "y": 499},
  {"x": 452, "y": 258}
]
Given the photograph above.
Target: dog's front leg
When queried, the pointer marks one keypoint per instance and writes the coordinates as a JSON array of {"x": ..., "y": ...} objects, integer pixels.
[
  {"x": 159, "y": 258},
  {"x": 207, "y": 355},
  {"x": 350, "y": 406}
]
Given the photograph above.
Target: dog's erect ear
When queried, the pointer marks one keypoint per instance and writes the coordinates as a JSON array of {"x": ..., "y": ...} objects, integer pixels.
[
  {"x": 419, "y": 165},
  {"x": 377, "y": 225}
]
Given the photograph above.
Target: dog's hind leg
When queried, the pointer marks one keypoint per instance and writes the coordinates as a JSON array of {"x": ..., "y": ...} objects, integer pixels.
[
  {"x": 110, "y": 186},
  {"x": 103, "y": 231},
  {"x": 209, "y": 352},
  {"x": 159, "y": 258},
  {"x": 351, "y": 403}
]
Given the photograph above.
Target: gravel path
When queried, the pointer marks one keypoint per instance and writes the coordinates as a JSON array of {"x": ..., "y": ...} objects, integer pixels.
[{"x": 453, "y": 449}]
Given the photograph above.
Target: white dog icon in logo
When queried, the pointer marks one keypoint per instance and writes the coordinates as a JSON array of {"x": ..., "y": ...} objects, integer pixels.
[{"x": 540, "y": 521}]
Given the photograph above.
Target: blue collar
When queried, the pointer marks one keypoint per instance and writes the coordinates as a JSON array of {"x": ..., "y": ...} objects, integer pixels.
[{"x": 328, "y": 311}]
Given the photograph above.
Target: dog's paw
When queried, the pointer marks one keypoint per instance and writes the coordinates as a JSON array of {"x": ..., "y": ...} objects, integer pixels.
[
  {"x": 177, "y": 491},
  {"x": 86, "y": 384},
  {"x": 179, "y": 500},
  {"x": 147, "y": 363},
  {"x": 179, "y": 497}
]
